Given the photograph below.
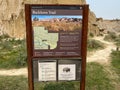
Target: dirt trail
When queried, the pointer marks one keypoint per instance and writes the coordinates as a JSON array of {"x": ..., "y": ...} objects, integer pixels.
[
  {"x": 102, "y": 56},
  {"x": 14, "y": 72}
]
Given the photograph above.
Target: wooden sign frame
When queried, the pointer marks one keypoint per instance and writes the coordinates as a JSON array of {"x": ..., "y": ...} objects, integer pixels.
[{"x": 30, "y": 46}]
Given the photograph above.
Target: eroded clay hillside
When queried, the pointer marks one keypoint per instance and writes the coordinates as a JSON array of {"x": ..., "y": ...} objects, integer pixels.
[
  {"x": 12, "y": 18},
  {"x": 109, "y": 25}
]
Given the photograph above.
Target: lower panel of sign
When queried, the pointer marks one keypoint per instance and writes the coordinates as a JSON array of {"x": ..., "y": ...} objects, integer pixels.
[{"x": 56, "y": 70}]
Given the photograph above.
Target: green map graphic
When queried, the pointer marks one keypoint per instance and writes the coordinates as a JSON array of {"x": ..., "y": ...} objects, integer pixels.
[{"x": 43, "y": 39}]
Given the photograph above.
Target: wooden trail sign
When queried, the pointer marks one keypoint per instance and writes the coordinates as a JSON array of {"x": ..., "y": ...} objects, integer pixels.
[{"x": 56, "y": 43}]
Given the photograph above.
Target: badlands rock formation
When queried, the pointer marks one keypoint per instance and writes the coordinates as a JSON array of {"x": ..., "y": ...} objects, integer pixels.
[
  {"x": 12, "y": 18},
  {"x": 109, "y": 25}
]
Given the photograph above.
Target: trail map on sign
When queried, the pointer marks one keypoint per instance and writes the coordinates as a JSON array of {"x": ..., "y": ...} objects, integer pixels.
[{"x": 43, "y": 39}]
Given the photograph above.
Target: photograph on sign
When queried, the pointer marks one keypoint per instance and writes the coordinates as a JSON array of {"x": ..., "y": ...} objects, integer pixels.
[
  {"x": 74, "y": 62},
  {"x": 46, "y": 71},
  {"x": 56, "y": 33},
  {"x": 67, "y": 72}
]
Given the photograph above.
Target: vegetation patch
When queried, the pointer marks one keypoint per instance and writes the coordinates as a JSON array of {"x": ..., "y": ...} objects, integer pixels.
[
  {"x": 91, "y": 34},
  {"x": 57, "y": 86},
  {"x": 60, "y": 86},
  {"x": 13, "y": 83},
  {"x": 111, "y": 36},
  {"x": 97, "y": 78},
  {"x": 115, "y": 62},
  {"x": 115, "y": 56},
  {"x": 94, "y": 45},
  {"x": 117, "y": 41},
  {"x": 12, "y": 52}
]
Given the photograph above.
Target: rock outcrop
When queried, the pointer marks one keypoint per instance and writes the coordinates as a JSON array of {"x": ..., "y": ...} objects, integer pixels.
[
  {"x": 12, "y": 18},
  {"x": 108, "y": 25},
  {"x": 92, "y": 25}
]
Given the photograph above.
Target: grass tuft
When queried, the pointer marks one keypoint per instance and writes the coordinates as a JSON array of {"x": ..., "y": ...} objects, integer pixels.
[
  {"x": 12, "y": 53},
  {"x": 111, "y": 36},
  {"x": 115, "y": 55},
  {"x": 13, "y": 83},
  {"x": 97, "y": 78},
  {"x": 94, "y": 45}
]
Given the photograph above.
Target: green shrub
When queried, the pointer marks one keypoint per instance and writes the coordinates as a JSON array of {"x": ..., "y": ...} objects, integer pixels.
[
  {"x": 117, "y": 41},
  {"x": 39, "y": 85},
  {"x": 72, "y": 85},
  {"x": 4, "y": 36},
  {"x": 110, "y": 37},
  {"x": 94, "y": 45},
  {"x": 22, "y": 54},
  {"x": 60, "y": 86},
  {"x": 13, "y": 53},
  {"x": 91, "y": 34}
]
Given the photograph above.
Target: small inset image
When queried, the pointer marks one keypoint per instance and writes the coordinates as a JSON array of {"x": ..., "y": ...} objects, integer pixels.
[
  {"x": 66, "y": 72},
  {"x": 66, "y": 69}
]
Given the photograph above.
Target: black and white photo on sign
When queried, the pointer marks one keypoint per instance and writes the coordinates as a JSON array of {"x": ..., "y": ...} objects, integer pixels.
[{"x": 66, "y": 72}]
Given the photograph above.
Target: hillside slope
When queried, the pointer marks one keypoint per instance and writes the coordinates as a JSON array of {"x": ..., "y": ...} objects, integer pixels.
[
  {"x": 109, "y": 25},
  {"x": 12, "y": 15}
]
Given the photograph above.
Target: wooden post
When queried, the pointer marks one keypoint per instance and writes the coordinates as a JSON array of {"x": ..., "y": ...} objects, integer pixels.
[
  {"x": 29, "y": 45},
  {"x": 84, "y": 46}
]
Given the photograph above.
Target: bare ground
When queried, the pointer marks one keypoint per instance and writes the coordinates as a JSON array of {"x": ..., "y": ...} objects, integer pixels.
[
  {"x": 102, "y": 56},
  {"x": 14, "y": 72}
]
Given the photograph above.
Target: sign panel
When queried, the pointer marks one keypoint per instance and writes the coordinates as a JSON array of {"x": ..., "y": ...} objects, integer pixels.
[
  {"x": 46, "y": 71},
  {"x": 74, "y": 66},
  {"x": 67, "y": 72},
  {"x": 57, "y": 31}
]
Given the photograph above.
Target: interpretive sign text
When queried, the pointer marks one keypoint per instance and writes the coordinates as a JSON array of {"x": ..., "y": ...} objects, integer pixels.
[{"x": 57, "y": 32}]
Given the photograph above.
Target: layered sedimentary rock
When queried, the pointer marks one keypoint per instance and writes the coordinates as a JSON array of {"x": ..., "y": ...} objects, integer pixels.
[
  {"x": 108, "y": 25},
  {"x": 12, "y": 16},
  {"x": 92, "y": 25}
]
